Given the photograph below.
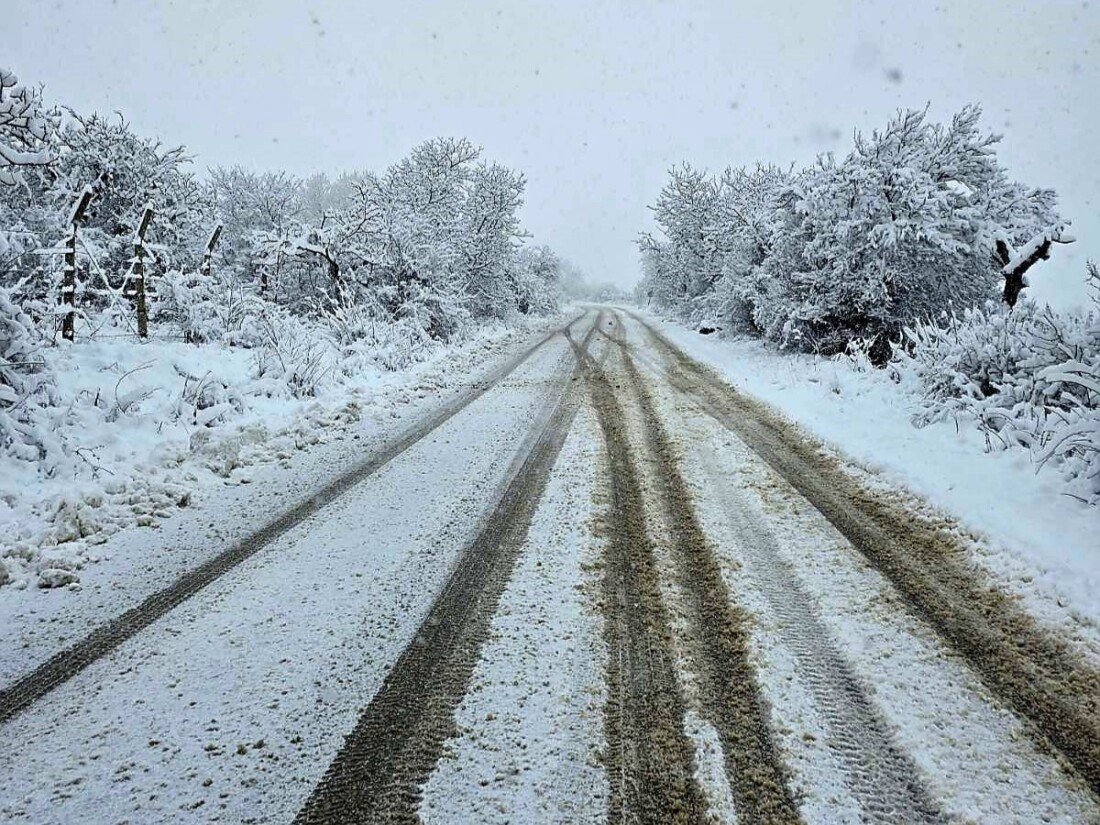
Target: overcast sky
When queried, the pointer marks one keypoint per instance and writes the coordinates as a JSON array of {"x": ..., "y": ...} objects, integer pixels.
[{"x": 592, "y": 100}]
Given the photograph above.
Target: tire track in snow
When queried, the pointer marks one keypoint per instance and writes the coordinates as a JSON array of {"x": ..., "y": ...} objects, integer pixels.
[
  {"x": 717, "y": 632},
  {"x": 378, "y": 772},
  {"x": 881, "y": 777},
  {"x": 649, "y": 760},
  {"x": 530, "y": 744},
  {"x": 1030, "y": 669},
  {"x": 65, "y": 664}
]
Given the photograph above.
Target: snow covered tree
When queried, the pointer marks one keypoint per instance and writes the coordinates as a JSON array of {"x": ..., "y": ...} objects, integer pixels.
[
  {"x": 717, "y": 231},
  {"x": 250, "y": 206},
  {"x": 489, "y": 235},
  {"x": 128, "y": 173},
  {"x": 436, "y": 231},
  {"x": 535, "y": 275},
  {"x": 917, "y": 220},
  {"x": 320, "y": 196},
  {"x": 27, "y": 134},
  {"x": 888, "y": 234},
  {"x": 687, "y": 213}
]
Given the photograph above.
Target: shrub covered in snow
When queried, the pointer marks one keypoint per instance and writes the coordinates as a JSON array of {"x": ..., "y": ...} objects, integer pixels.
[
  {"x": 211, "y": 308},
  {"x": 370, "y": 335},
  {"x": 294, "y": 358},
  {"x": 26, "y": 386},
  {"x": 1029, "y": 376}
]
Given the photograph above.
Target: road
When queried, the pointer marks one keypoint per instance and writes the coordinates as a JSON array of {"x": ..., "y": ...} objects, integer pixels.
[{"x": 596, "y": 585}]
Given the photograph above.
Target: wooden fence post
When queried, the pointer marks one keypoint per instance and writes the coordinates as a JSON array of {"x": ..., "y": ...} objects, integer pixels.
[
  {"x": 68, "y": 278},
  {"x": 139, "y": 273},
  {"x": 208, "y": 252}
]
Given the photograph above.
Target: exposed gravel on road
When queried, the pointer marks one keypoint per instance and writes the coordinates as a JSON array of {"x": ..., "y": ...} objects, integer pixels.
[
  {"x": 717, "y": 627},
  {"x": 649, "y": 758}
]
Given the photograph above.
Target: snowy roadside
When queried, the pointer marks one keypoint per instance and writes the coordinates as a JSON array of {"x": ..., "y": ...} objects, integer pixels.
[
  {"x": 182, "y": 421},
  {"x": 285, "y": 453},
  {"x": 1037, "y": 542},
  {"x": 233, "y": 705}
]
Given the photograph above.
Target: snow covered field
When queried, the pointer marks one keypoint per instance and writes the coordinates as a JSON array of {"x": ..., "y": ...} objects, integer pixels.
[
  {"x": 1037, "y": 541},
  {"x": 166, "y": 426}
]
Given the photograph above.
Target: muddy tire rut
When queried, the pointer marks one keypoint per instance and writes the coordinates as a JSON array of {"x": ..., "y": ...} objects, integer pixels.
[
  {"x": 649, "y": 759},
  {"x": 1027, "y": 667},
  {"x": 883, "y": 779},
  {"x": 717, "y": 628}
]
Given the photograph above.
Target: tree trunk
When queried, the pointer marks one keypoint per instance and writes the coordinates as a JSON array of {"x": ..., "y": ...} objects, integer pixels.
[
  {"x": 1015, "y": 267},
  {"x": 334, "y": 275}
]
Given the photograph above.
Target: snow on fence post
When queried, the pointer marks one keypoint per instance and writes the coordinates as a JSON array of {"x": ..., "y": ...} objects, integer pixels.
[
  {"x": 208, "y": 251},
  {"x": 139, "y": 273},
  {"x": 68, "y": 278}
]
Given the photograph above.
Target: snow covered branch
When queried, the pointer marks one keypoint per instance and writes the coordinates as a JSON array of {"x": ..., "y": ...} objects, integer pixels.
[
  {"x": 1014, "y": 266},
  {"x": 25, "y": 127}
]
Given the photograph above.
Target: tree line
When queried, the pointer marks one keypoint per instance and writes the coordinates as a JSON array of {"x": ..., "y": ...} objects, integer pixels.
[
  {"x": 917, "y": 220},
  {"x": 433, "y": 242}
]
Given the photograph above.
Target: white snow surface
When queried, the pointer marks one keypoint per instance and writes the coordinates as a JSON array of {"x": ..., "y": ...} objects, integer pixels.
[
  {"x": 233, "y": 704},
  {"x": 975, "y": 757},
  {"x": 710, "y": 768},
  {"x": 531, "y": 724},
  {"x": 147, "y": 450},
  {"x": 286, "y": 449},
  {"x": 1035, "y": 541}
]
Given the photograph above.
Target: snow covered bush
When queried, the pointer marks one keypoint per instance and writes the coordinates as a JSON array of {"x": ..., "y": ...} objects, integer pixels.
[
  {"x": 294, "y": 358},
  {"x": 536, "y": 273},
  {"x": 1029, "y": 377},
  {"x": 393, "y": 327},
  {"x": 206, "y": 400},
  {"x": 26, "y": 386},
  {"x": 209, "y": 308}
]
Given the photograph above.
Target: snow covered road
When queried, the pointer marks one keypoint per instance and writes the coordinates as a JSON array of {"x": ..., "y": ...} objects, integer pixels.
[{"x": 599, "y": 585}]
